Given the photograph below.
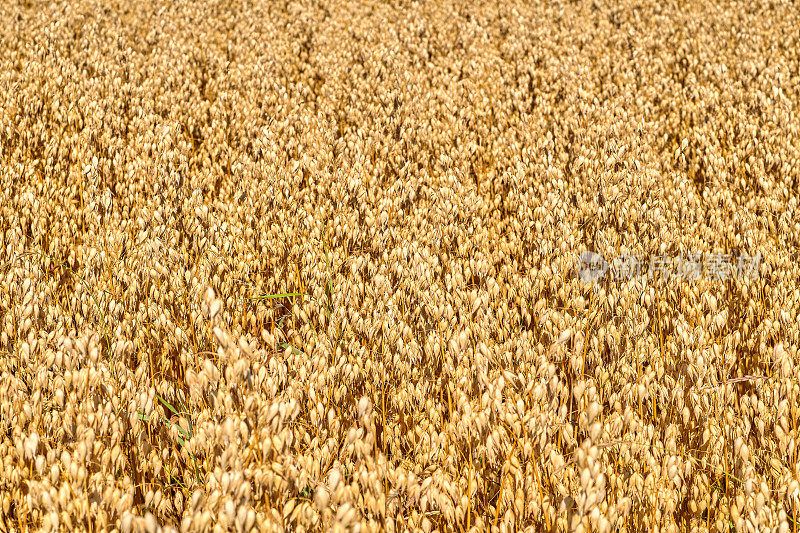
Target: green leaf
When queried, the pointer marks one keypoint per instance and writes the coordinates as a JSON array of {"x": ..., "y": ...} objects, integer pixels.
[
  {"x": 180, "y": 430},
  {"x": 286, "y": 345},
  {"x": 165, "y": 402},
  {"x": 273, "y": 296}
]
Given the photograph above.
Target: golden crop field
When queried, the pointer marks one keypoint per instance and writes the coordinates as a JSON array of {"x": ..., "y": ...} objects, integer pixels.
[{"x": 395, "y": 266}]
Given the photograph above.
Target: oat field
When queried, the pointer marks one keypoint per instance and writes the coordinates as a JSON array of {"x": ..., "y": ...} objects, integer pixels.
[{"x": 399, "y": 266}]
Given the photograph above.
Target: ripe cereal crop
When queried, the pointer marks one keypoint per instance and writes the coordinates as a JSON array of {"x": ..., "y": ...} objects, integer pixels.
[{"x": 399, "y": 266}]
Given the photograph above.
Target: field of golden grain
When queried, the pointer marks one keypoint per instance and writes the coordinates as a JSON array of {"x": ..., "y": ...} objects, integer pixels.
[{"x": 360, "y": 266}]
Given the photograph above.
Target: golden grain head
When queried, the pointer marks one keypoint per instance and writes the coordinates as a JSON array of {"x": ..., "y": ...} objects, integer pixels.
[{"x": 399, "y": 266}]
